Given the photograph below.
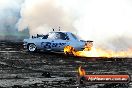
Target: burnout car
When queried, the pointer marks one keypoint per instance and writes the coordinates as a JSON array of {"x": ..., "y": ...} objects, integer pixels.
[{"x": 55, "y": 41}]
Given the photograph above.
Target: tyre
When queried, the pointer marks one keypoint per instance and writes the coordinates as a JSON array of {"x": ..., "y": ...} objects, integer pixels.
[{"x": 32, "y": 48}]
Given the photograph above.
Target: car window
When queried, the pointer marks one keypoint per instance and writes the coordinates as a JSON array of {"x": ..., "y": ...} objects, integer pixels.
[
  {"x": 58, "y": 35},
  {"x": 74, "y": 36},
  {"x": 45, "y": 36}
]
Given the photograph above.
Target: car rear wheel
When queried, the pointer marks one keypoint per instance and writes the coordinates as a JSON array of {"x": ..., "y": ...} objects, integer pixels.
[{"x": 32, "y": 47}]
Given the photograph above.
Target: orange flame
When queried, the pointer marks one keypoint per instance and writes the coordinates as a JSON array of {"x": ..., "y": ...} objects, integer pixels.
[
  {"x": 98, "y": 52},
  {"x": 81, "y": 71}
]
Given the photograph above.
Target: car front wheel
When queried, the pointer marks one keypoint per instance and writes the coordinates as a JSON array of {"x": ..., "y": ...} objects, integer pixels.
[{"x": 32, "y": 47}]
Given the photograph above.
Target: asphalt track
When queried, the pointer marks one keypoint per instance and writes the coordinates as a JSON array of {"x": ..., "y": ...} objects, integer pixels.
[{"x": 21, "y": 69}]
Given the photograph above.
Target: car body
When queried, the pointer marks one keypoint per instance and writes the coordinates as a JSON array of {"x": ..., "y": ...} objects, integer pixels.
[{"x": 54, "y": 41}]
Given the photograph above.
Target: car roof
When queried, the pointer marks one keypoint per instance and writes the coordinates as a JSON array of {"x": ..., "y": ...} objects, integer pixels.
[
  {"x": 69, "y": 33},
  {"x": 59, "y": 31}
]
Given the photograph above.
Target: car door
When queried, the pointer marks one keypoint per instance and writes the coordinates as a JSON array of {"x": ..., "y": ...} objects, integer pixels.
[
  {"x": 43, "y": 42},
  {"x": 46, "y": 44},
  {"x": 60, "y": 42}
]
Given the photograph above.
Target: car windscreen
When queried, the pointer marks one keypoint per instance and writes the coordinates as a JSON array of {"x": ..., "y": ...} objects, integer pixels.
[
  {"x": 76, "y": 37},
  {"x": 58, "y": 35}
]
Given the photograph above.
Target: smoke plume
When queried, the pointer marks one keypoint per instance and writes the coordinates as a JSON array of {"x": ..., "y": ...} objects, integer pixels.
[
  {"x": 43, "y": 15},
  {"x": 9, "y": 16},
  {"x": 107, "y": 22}
]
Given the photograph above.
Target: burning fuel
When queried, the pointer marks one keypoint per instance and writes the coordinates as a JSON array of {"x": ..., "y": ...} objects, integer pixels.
[{"x": 98, "y": 52}]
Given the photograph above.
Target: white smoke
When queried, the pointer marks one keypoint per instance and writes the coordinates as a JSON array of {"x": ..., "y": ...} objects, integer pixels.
[
  {"x": 9, "y": 15},
  {"x": 43, "y": 15},
  {"x": 107, "y": 22}
]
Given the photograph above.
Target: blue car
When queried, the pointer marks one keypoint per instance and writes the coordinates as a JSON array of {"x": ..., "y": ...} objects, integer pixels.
[{"x": 55, "y": 41}]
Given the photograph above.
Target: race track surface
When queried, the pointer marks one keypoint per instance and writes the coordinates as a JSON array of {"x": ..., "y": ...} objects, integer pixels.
[{"x": 21, "y": 69}]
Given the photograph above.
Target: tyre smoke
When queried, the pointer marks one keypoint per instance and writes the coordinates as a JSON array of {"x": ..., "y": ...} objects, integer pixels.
[
  {"x": 9, "y": 16},
  {"x": 43, "y": 15}
]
